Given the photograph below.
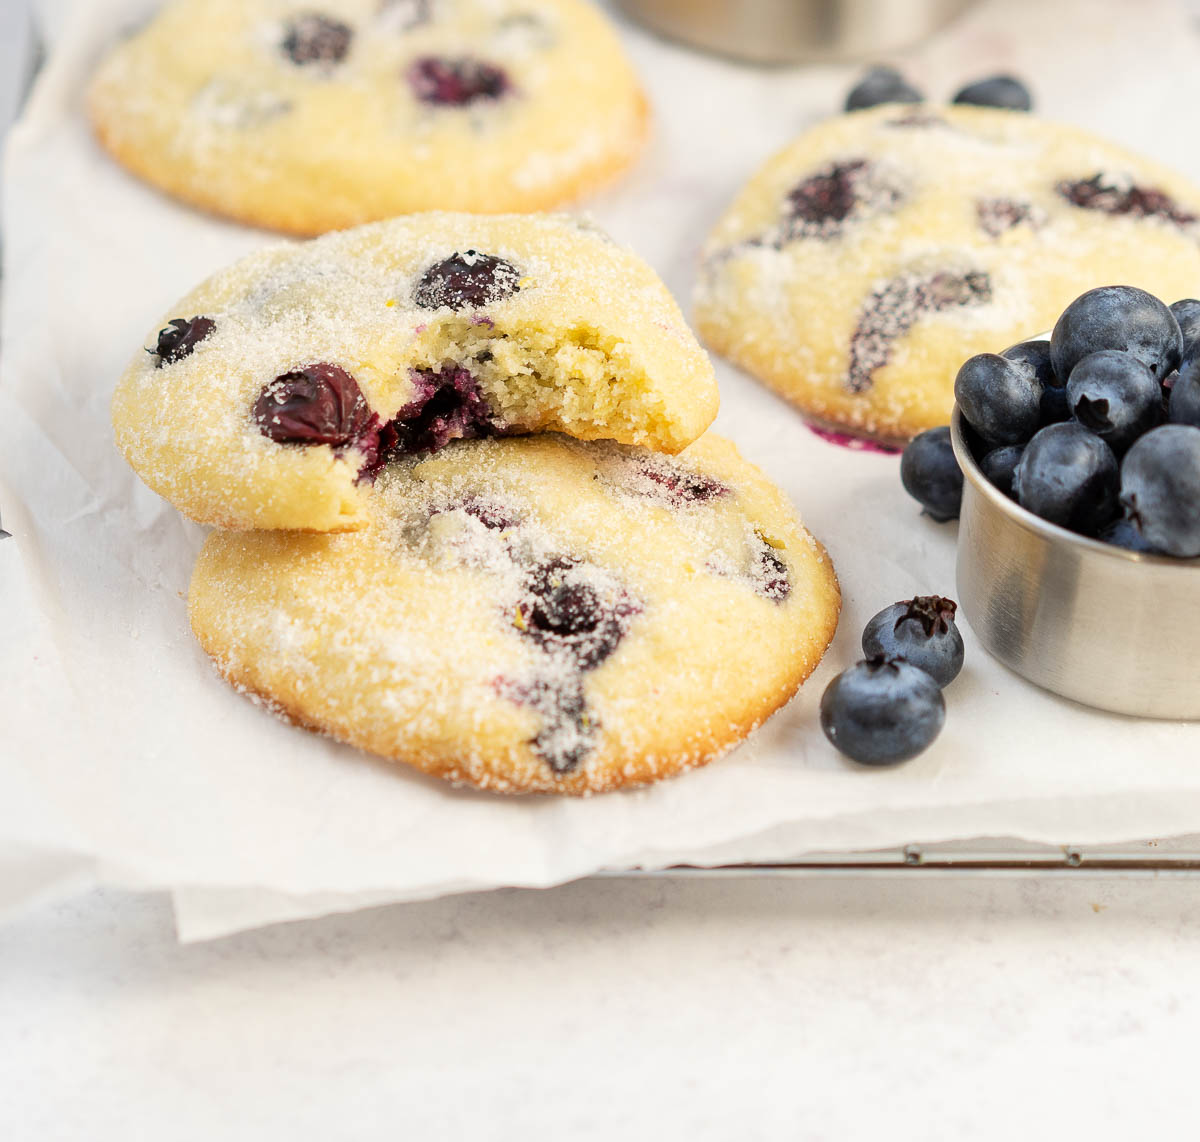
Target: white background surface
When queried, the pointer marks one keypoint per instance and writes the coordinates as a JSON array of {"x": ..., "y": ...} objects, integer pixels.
[
  {"x": 898, "y": 1007},
  {"x": 124, "y": 747}
]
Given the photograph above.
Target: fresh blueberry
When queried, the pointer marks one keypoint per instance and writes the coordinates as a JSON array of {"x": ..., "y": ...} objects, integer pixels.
[
  {"x": 1117, "y": 317},
  {"x": 1160, "y": 488},
  {"x": 1114, "y": 396},
  {"x": 922, "y": 632},
  {"x": 1187, "y": 313},
  {"x": 997, "y": 91},
  {"x": 1001, "y": 399},
  {"x": 1124, "y": 533},
  {"x": 931, "y": 475},
  {"x": 315, "y": 39},
  {"x": 1035, "y": 355},
  {"x": 1068, "y": 476},
  {"x": 1000, "y": 466},
  {"x": 457, "y": 82},
  {"x": 882, "y": 711},
  {"x": 180, "y": 338},
  {"x": 318, "y": 404},
  {"x": 881, "y": 85},
  {"x": 1184, "y": 401},
  {"x": 467, "y": 281}
]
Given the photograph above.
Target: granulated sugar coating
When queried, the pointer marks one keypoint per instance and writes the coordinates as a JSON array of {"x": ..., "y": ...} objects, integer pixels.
[
  {"x": 861, "y": 266},
  {"x": 307, "y": 117},
  {"x": 532, "y": 614},
  {"x": 277, "y": 388}
]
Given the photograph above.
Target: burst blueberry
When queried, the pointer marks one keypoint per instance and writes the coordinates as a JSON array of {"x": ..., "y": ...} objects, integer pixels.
[
  {"x": 882, "y": 711},
  {"x": 921, "y": 631},
  {"x": 318, "y": 404},
  {"x": 1068, "y": 476},
  {"x": 931, "y": 475},
  {"x": 180, "y": 338},
  {"x": 457, "y": 82},
  {"x": 1115, "y": 396},
  {"x": 312, "y": 38},
  {"x": 1000, "y": 399},
  {"x": 468, "y": 280}
]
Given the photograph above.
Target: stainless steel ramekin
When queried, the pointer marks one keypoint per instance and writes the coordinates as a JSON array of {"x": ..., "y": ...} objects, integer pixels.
[
  {"x": 796, "y": 31},
  {"x": 1104, "y": 626}
]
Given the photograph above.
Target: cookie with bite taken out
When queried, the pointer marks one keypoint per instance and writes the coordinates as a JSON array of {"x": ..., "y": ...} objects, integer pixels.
[{"x": 274, "y": 393}]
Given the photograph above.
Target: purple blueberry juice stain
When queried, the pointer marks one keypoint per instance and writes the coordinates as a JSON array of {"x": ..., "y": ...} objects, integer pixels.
[
  {"x": 313, "y": 38},
  {"x": 1118, "y": 196},
  {"x": 468, "y": 280},
  {"x": 895, "y": 307},
  {"x": 460, "y": 82},
  {"x": 180, "y": 338},
  {"x": 854, "y": 443},
  {"x": 317, "y": 404}
]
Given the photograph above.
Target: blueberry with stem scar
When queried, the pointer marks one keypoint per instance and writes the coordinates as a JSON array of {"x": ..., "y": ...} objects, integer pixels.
[{"x": 921, "y": 631}]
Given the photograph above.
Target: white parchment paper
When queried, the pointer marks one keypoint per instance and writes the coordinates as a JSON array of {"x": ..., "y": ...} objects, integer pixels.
[{"x": 123, "y": 757}]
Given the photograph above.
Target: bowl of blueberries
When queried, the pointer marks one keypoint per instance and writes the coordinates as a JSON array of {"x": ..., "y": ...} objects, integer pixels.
[{"x": 1073, "y": 465}]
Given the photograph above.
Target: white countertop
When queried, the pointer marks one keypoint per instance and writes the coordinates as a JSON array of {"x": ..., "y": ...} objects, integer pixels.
[{"x": 898, "y": 1007}]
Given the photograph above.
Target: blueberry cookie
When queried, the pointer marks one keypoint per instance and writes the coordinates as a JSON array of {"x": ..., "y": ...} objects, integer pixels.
[
  {"x": 533, "y": 614},
  {"x": 861, "y": 266},
  {"x": 274, "y": 392},
  {"x": 317, "y": 115}
]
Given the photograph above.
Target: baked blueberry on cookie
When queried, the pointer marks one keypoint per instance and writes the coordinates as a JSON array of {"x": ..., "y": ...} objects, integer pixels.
[
  {"x": 533, "y": 614},
  {"x": 314, "y": 115},
  {"x": 271, "y": 396},
  {"x": 861, "y": 266}
]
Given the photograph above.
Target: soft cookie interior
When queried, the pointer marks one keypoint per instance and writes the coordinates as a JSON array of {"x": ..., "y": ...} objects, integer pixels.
[{"x": 284, "y": 386}]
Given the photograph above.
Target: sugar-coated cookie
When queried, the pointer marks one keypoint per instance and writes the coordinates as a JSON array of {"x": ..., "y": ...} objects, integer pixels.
[
  {"x": 275, "y": 390},
  {"x": 313, "y": 115},
  {"x": 861, "y": 266},
  {"x": 532, "y": 613}
]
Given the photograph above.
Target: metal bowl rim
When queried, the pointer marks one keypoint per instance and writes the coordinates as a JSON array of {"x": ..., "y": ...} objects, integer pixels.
[{"x": 1044, "y": 528}]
